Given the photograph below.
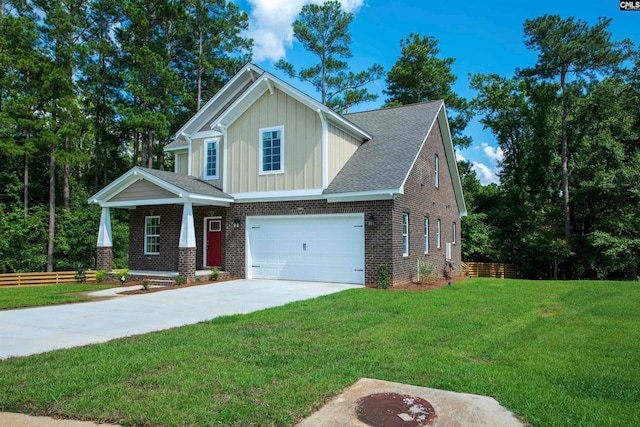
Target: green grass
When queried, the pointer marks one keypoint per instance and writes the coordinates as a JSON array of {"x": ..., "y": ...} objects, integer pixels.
[
  {"x": 555, "y": 353},
  {"x": 34, "y": 296}
]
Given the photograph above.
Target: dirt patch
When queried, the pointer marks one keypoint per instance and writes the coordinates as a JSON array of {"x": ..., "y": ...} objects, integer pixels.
[{"x": 410, "y": 286}]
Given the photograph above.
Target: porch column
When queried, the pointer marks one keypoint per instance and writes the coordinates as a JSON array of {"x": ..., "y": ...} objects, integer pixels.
[
  {"x": 104, "y": 257},
  {"x": 187, "y": 246}
]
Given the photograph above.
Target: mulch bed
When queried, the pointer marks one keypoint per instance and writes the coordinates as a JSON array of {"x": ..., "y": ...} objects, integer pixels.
[
  {"x": 410, "y": 286},
  {"x": 204, "y": 281}
]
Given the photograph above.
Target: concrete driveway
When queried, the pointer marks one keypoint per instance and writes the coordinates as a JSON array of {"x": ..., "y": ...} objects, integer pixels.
[{"x": 36, "y": 330}]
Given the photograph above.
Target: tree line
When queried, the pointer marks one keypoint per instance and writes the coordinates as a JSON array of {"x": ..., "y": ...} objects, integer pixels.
[{"x": 90, "y": 88}]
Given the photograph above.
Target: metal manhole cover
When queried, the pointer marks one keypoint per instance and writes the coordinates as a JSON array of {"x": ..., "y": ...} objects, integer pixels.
[{"x": 395, "y": 410}]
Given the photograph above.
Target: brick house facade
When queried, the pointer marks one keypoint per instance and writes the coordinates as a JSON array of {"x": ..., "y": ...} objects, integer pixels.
[{"x": 392, "y": 171}]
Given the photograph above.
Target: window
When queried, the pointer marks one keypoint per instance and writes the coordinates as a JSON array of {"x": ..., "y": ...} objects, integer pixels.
[
  {"x": 151, "y": 235},
  {"x": 438, "y": 245},
  {"x": 272, "y": 150},
  {"x": 211, "y": 159},
  {"x": 426, "y": 234},
  {"x": 436, "y": 166},
  {"x": 405, "y": 234},
  {"x": 453, "y": 232}
]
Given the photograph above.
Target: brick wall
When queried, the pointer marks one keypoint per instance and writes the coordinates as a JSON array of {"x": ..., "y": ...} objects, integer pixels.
[
  {"x": 422, "y": 198},
  {"x": 199, "y": 214},
  {"x": 170, "y": 221},
  {"x": 104, "y": 258},
  {"x": 377, "y": 241},
  {"x": 187, "y": 263}
]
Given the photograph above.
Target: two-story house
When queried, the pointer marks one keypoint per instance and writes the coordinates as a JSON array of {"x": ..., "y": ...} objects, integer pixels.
[{"x": 270, "y": 183}]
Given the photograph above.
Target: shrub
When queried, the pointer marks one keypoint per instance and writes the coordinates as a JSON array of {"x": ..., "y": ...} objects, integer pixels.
[
  {"x": 145, "y": 285},
  {"x": 179, "y": 281},
  {"x": 101, "y": 276},
  {"x": 215, "y": 273},
  {"x": 81, "y": 275},
  {"x": 198, "y": 279},
  {"x": 123, "y": 275},
  {"x": 426, "y": 272},
  {"x": 383, "y": 277}
]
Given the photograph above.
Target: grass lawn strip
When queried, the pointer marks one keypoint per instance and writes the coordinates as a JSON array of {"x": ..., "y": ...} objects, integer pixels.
[
  {"x": 34, "y": 296},
  {"x": 555, "y": 353}
]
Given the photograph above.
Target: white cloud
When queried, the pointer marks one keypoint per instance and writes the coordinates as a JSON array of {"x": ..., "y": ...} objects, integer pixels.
[
  {"x": 496, "y": 155},
  {"x": 484, "y": 173},
  {"x": 271, "y": 24},
  {"x": 460, "y": 157}
]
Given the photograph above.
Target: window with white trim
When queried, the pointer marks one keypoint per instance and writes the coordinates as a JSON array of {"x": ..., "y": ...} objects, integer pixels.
[
  {"x": 272, "y": 150},
  {"x": 438, "y": 244},
  {"x": 426, "y": 234},
  {"x": 453, "y": 233},
  {"x": 211, "y": 158},
  {"x": 436, "y": 170},
  {"x": 405, "y": 234},
  {"x": 151, "y": 235}
]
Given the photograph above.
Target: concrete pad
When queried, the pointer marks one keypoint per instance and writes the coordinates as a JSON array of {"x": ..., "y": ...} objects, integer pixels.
[
  {"x": 36, "y": 330},
  {"x": 451, "y": 409},
  {"x": 8, "y": 419}
]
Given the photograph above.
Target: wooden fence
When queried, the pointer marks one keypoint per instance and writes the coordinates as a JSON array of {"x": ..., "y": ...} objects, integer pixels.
[
  {"x": 53, "y": 278},
  {"x": 489, "y": 269}
]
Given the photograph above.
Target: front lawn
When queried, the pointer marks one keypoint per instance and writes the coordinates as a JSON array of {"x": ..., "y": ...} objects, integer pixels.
[
  {"x": 556, "y": 353},
  {"x": 33, "y": 296}
]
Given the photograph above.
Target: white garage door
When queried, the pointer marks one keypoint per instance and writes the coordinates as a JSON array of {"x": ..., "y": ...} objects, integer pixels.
[{"x": 323, "y": 248}]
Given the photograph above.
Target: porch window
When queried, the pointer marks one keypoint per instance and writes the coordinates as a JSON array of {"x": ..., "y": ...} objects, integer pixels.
[
  {"x": 152, "y": 235},
  {"x": 272, "y": 150},
  {"x": 405, "y": 234},
  {"x": 211, "y": 159}
]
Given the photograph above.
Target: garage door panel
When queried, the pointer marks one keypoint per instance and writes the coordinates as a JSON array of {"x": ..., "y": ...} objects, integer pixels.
[{"x": 318, "y": 248}]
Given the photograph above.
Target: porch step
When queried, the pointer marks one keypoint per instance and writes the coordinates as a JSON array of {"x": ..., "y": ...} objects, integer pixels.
[{"x": 161, "y": 282}]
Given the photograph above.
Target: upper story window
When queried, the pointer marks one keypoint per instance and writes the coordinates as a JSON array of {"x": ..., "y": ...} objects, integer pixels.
[
  {"x": 211, "y": 158},
  {"x": 272, "y": 150},
  {"x": 405, "y": 234},
  {"x": 438, "y": 241},
  {"x": 152, "y": 235},
  {"x": 426, "y": 234},
  {"x": 436, "y": 171}
]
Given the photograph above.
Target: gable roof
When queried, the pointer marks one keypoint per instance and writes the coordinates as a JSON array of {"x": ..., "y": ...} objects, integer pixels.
[
  {"x": 184, "y": 187},
  {"x": 249, "y": 84},
  {"x": 382, "y": 165}
]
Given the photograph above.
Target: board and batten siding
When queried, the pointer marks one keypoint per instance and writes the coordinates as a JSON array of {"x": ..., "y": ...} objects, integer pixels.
[
  {"x": 182, "y": 162},
  {"x": 341, "y": 148},
  {"x": 142, "y": 190},
  {"x": 197, "y": 159},
  {"x": 302, "y": 146}
]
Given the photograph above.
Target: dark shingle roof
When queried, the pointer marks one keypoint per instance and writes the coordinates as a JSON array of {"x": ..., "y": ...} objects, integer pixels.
[
  {"x": 187, "y": 183},
  {"x": 179, "y": 142},
  {"x": 384, "y": 162}
]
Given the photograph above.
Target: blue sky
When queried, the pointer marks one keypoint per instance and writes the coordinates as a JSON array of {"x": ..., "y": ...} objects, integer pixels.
[{"x": 483, "y": 37}]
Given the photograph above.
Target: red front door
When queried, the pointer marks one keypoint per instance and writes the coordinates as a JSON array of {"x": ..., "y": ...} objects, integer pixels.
[{"x": 214, "y": 242}]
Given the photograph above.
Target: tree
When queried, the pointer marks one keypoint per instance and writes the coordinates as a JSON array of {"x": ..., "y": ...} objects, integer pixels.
[
  {"x": 568, "y": 46},
  {"x": 419, "y": 76},
  {"x": 218, "y": 49},
  {"x": 323, "y": 30}
]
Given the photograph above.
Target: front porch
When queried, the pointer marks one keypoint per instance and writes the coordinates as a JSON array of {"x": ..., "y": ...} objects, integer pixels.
[
  {"x": 177, "y": 224},
  {"x": 167, "y": 278}
]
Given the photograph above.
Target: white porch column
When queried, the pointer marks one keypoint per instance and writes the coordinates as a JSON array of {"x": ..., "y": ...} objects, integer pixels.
[
  {"x": 104, "y": 250},
  {"x": 187, "y": 229},
  {"x": 104, "y": 233},
  {"x": 187, "y": 246}
]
